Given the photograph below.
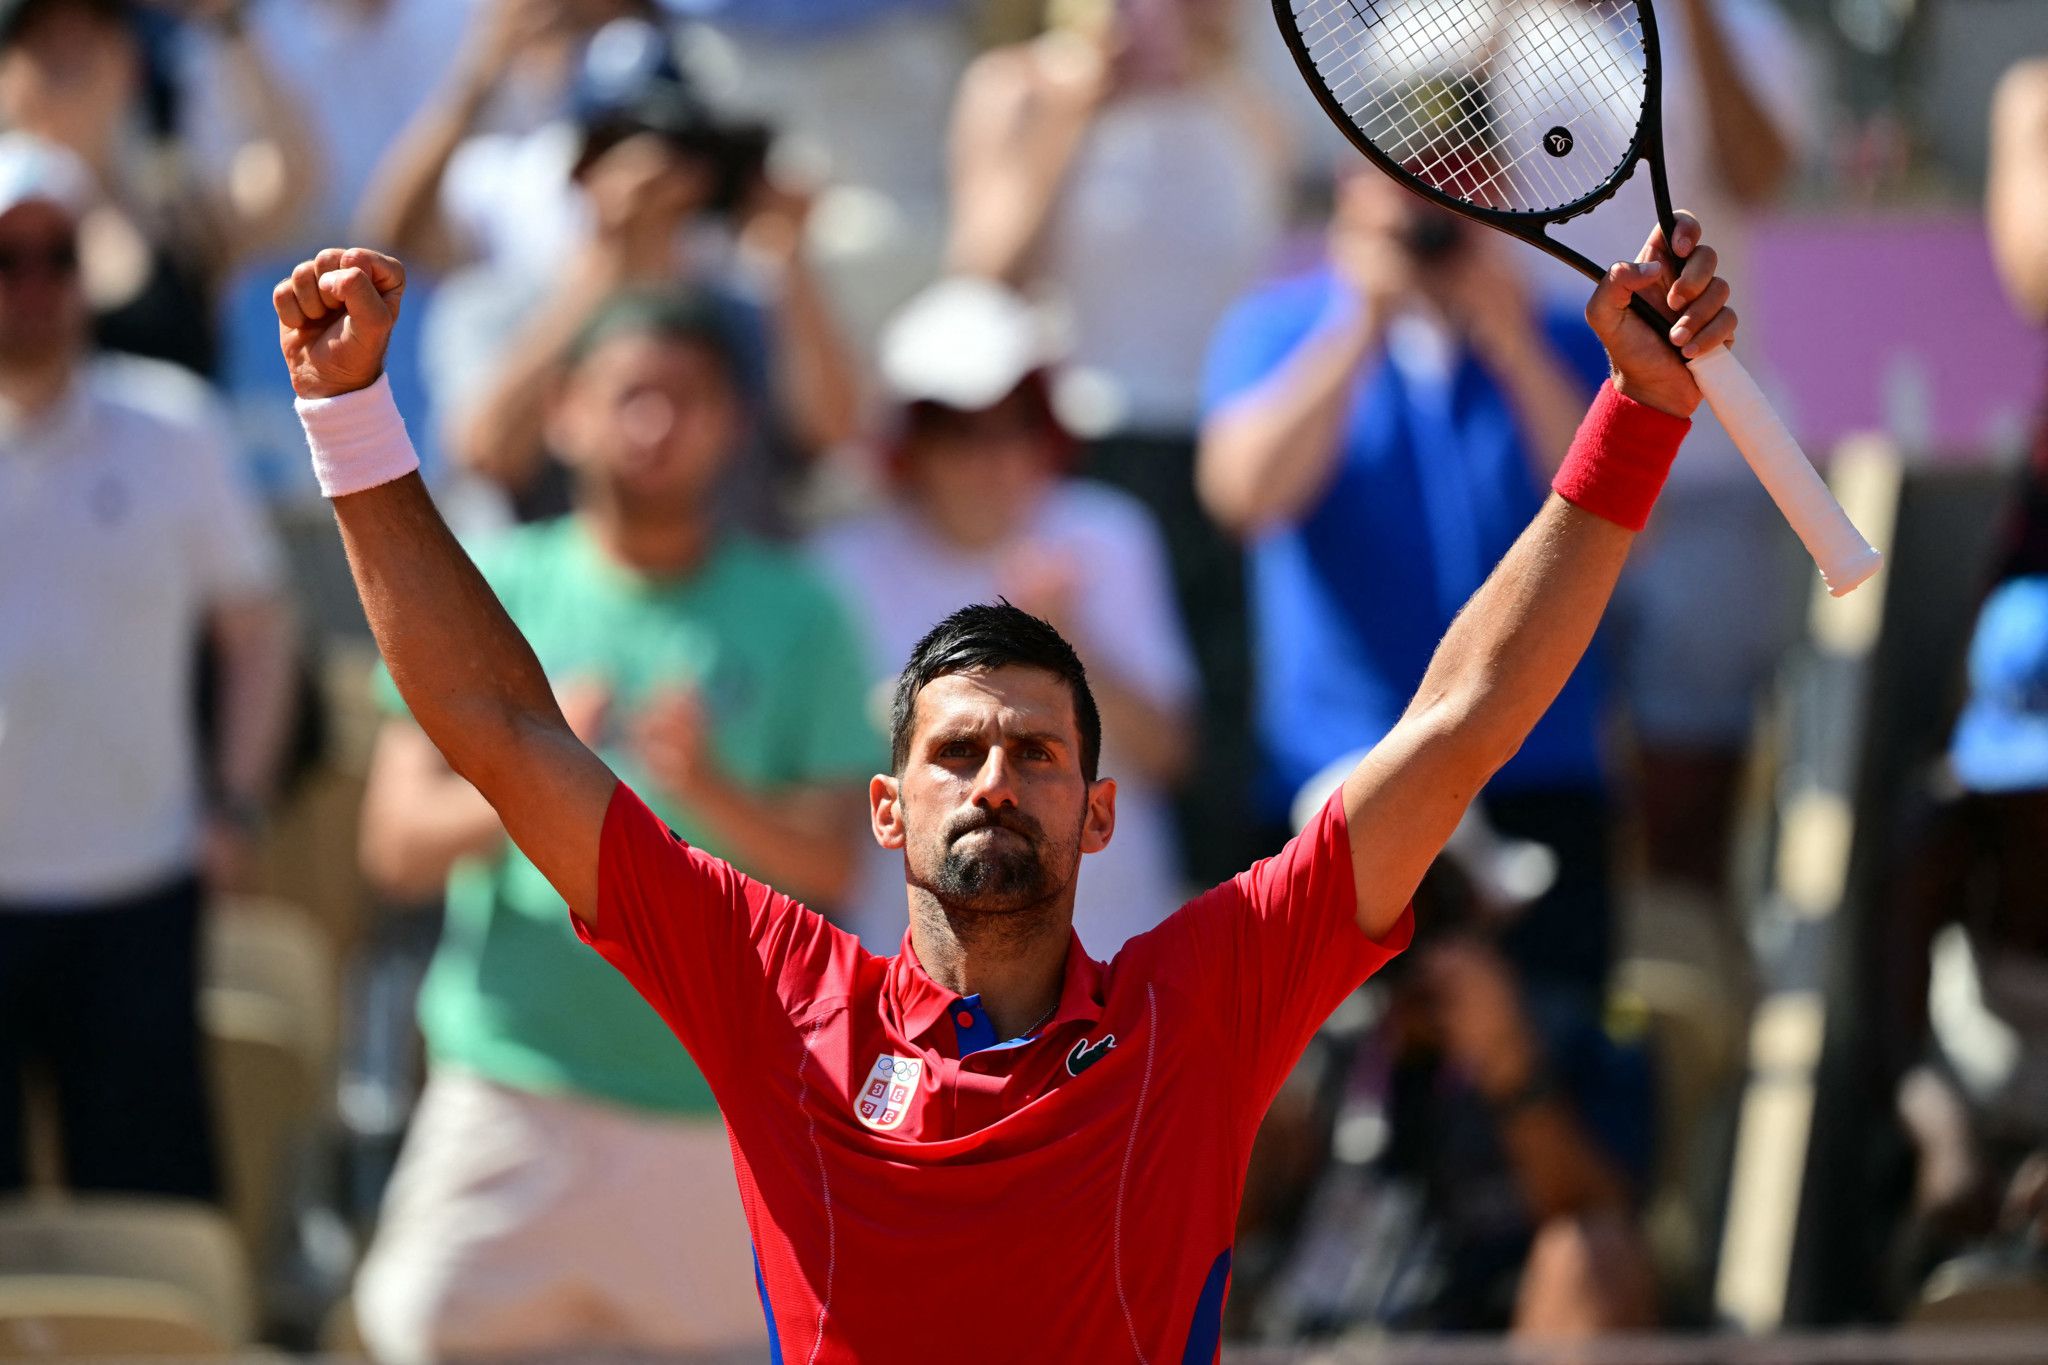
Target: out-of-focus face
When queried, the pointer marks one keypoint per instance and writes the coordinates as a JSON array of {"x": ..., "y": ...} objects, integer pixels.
[
  {"x": 69, "y": 75},
  {"x": 654, "y": 418},
  {"x": 978, "y": 475},
  {"x": 1371, "y": 203},
  {"x": 992, "y": 810},
  {"x": 43, "y": 312}
]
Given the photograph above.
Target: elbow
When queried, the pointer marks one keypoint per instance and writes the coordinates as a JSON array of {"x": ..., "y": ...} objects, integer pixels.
[
  {"x": 1226, "y": 489},
  {"x": 1463, "y": 735},
  {"x": 390, "y": 864}
]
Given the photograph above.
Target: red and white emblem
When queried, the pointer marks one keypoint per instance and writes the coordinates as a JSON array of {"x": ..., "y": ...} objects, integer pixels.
[{"x": 885, "y": 1095}]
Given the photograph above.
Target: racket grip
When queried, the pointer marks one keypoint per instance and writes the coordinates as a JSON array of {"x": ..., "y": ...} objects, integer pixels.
[{"x": 1845, "y": 558}]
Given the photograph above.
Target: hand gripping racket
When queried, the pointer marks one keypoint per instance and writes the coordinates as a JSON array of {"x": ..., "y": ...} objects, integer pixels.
[{"x": 1523, "y": 113}]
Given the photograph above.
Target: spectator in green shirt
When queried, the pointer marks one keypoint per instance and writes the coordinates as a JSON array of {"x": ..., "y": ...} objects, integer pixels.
[{"x": 566, "y": 1183}]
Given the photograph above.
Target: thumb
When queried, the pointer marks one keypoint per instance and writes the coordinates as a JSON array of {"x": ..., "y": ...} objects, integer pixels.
[{"x": 1608, "y": 308}]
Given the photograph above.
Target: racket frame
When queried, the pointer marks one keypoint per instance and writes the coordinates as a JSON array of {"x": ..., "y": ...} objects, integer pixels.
[{"x": 1527, "y": 227}]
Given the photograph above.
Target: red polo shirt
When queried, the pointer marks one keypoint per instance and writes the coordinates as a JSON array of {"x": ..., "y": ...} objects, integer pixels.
[{"x": 918, "y": 1191}]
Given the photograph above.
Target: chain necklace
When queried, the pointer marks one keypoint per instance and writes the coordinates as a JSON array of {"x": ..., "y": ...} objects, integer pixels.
[{"x": 1041, "y": 1020}]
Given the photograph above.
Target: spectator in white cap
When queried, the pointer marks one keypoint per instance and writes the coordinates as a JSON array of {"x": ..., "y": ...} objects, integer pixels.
[
  {"x": 123, "y": 540},
  {"x": 984, "y": 506}
]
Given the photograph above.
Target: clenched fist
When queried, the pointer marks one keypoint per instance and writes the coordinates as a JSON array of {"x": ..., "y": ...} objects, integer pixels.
[{"x": 334, "y": 319}]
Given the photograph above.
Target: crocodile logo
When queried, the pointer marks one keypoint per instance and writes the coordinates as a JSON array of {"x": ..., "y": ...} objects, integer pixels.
[{"x": 1086, "y": 1054}]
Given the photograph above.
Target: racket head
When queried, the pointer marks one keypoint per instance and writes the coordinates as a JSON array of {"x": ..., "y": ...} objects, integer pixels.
[{"x": 1458, "y": 99}]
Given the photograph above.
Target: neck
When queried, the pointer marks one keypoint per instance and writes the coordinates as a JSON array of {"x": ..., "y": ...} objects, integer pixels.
[
  {"x": 32, "y": 388},
  {"x": 1014, "y": 961},
  {"x": 659, "y": 544}
]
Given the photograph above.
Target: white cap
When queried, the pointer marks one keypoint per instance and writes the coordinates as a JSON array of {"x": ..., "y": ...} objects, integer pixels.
[
  {"x": 33, "y": 170},
  {"x": 964, "y": 343}
]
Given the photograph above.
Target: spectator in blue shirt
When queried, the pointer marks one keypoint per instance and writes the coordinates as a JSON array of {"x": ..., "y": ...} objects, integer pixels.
[{"x": 1379, "y": 430}]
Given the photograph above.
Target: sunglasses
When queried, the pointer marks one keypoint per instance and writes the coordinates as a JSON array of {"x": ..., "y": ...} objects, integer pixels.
[{"x": 57, "y": 259}]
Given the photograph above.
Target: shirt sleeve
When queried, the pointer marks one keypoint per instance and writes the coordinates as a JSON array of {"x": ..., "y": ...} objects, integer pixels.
[
  {"x": 1275, "y": 949},
  {"x": 1253, "y": 340},
  {"x": 716, "y": 953}
]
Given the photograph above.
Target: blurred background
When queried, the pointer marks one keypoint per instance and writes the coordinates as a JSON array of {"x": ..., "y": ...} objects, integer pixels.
[{"x": 1727, "y": 1029}]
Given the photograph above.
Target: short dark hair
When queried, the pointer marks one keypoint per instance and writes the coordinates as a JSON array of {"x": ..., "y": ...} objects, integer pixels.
[
  {"x": 691, "y": 317},
  {"x": 993, "y": 635},
  {"x": 16, "y": 14}
]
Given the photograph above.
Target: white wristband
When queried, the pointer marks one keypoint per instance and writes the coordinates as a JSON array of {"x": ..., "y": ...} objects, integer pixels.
[{"x": 358, "y": 439}]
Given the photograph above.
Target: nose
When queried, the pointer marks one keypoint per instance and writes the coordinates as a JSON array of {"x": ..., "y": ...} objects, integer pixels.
[{"x": 993, "y": 784}]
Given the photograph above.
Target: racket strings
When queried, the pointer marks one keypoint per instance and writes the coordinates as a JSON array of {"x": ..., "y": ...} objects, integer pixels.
[{"x": 1468, "y": 96}]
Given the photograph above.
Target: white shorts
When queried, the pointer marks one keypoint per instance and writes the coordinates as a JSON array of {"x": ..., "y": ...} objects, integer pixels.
[{"x": 520, "y": 1223}]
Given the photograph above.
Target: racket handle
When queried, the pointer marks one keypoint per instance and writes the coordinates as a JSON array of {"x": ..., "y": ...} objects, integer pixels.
[{"x": 1844, "y": 556}]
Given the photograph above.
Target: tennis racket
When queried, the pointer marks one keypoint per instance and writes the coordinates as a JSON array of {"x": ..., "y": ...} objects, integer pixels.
[{"x": 1523, "y": 113}]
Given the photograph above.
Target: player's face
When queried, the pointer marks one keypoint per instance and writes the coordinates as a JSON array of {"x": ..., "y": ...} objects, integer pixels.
[
  {"x": 42, "y": 308},
  {"x": 654, "y": 418},
  {"x": 991, "y": 809}
]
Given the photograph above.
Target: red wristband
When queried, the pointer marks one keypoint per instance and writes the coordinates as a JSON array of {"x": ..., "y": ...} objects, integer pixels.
[{"x": 1619, "y": 459}]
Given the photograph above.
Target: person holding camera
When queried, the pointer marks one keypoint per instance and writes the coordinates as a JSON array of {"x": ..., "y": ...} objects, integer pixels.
[
  {"x": 634, "y": 181},
  {"x": 1377, "y": 431}
]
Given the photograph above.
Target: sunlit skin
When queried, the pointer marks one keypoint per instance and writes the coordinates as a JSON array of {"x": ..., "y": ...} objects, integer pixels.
[{"x": 993, "y": 815}]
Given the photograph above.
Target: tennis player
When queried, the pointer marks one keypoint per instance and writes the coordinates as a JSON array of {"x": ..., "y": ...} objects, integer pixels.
[{"x": 989, "y": 1147}]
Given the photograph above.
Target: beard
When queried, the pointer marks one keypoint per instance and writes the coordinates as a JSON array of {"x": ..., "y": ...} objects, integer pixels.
[{"x": 995, "y": 862}]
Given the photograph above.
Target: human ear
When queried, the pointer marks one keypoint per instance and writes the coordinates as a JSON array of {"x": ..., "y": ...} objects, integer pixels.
[
  {"x": 885, "y": 810},
  {"x": 1099, "y": 820}
]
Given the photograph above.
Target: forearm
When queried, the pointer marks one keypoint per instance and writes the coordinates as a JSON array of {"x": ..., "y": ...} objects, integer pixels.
[
  {"x": 1749, "y": 152},
  {"x": 2016, "y": 192},
  {"x": 275, "y": 173},
  {"x": 1556, "y": 1162},
  {"x": 1265, "y": 457},
  {"x": 801, "y": 842},
  {"x": 499, "y": 432},
  {"x": 409, "y": 846},
  {"x": 1510, "y": 651},
  {"x": 468, "y": 676},
  {"x": 818, "y": 377},
  {"x": 402, "y": 210},
  {"x": 254, "y": 640},
  {"x": 999, "y": 214},
  {"x": 1012, "y": 140}
]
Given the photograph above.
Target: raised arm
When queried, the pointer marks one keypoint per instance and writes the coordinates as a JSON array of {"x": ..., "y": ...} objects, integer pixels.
[
  {"x": 1509, "y": 652},
  {"x": 465, "y": 672},
  {"x": 2016, "y": 192}
]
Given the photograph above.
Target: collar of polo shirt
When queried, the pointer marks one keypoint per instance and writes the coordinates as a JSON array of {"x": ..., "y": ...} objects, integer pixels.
[{"x": 920, "y": 1004}]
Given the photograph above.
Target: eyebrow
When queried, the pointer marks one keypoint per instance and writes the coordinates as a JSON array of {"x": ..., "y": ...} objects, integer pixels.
[{"x": 1046, "y": 737}]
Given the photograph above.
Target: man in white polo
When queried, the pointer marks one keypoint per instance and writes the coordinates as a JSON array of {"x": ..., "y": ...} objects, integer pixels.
[{"x": 123, "y": 540}]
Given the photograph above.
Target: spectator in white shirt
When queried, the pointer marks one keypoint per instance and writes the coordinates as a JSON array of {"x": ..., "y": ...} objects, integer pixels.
[
  {"x": 984, "y": 507},
  {"x": 122, "y": 540}
]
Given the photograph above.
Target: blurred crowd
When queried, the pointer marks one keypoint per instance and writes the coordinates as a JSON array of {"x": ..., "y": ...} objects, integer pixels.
[{"x": 745, "y": 340}]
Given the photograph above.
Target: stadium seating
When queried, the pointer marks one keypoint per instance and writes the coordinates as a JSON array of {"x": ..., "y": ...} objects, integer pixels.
[
  {"x": 97, "y": 1317},
  {"x": 188, "y": 1251}
]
